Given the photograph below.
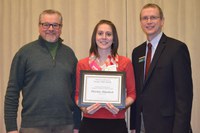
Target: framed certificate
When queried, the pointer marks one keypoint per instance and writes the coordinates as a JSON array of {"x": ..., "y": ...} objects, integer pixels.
[{"x": 102, "y": 87}]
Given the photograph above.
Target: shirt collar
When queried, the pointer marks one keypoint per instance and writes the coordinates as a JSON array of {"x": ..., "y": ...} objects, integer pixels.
[{"x": 155, "y": 40}]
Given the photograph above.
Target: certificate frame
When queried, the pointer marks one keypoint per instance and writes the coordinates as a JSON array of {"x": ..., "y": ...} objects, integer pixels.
[{"x": 102, "y": 87}]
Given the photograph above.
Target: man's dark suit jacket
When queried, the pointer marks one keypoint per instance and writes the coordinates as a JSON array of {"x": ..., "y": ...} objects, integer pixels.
[{"x": 165, "y": 97}]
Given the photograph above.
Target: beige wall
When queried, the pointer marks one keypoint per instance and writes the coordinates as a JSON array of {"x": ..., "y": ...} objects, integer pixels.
[{"x": 19, "y": 19}]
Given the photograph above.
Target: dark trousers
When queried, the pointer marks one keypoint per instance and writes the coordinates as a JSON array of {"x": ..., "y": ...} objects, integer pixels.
[{"x": 89, "y": 125}]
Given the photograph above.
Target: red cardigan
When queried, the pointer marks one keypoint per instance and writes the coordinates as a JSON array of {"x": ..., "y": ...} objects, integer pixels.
[{"x": 124, "y": 64}]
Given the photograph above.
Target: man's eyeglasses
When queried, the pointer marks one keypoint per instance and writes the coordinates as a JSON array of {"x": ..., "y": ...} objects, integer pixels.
[
  {"x": 152, "y": 18},
  {"x": 47, "y": 25}
]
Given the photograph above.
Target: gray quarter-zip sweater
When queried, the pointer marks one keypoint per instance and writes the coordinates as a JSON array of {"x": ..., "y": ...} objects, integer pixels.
[{"x": 47, "y": 85}]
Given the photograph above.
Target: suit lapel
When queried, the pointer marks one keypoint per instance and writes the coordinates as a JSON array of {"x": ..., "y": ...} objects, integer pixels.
[
  {"x": 141, "y": 62},
  {"x": 156, "y": 56}
]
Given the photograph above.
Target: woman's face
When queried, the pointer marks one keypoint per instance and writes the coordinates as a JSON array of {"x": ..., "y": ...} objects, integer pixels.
[{"x": 104, "y": 37}]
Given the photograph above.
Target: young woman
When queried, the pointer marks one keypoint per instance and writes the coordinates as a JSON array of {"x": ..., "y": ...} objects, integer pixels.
[{"x": 103, "y": 56}]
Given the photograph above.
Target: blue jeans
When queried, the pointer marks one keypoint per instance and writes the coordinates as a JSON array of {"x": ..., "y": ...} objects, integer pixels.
[{"x": 51, "y": 129}]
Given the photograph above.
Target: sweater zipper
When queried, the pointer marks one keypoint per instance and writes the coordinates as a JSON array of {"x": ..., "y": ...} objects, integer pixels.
[
  {"x": 53, "y": 58},
  {"x": 54, "y": 61}
]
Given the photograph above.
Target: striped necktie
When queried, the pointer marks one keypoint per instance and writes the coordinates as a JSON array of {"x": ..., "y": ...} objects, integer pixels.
[{"x": 148, "y": 59}]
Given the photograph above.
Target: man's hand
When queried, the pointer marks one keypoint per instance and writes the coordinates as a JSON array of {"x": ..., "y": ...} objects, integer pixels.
[
  {"x": 133, "y": 131},
  {"x": 76, "y": 130},
  {"x": 13, "y": 131}
]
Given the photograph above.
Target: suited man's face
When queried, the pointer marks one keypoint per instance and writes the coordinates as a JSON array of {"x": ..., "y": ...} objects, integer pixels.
[{"x": 151, "y": 23}]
